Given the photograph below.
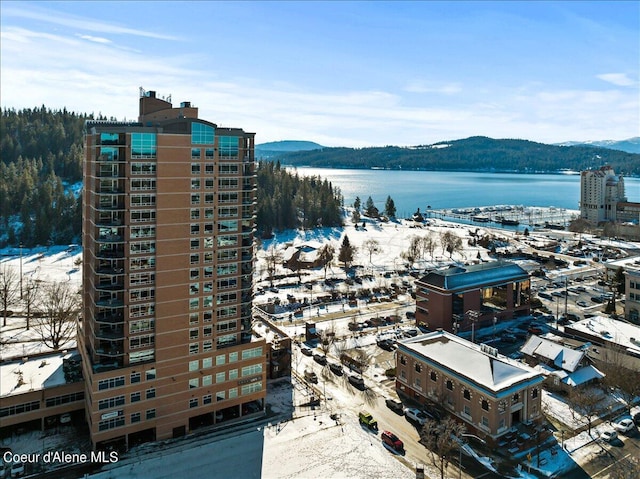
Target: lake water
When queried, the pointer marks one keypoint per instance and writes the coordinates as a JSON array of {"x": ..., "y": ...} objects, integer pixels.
[{"x": 440, "y": 189}]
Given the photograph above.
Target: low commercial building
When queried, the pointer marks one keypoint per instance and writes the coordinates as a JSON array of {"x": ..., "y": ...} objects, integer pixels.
[
  {"x": 36, "y": 391},
  {"x": 632, "y": 287},
  {"x": 462, "y": 297},
  {"x": 490, "y": 393},
  {"x": 612, "y": 341}
]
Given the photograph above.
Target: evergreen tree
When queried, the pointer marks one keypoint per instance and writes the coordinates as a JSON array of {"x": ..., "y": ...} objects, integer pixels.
[
  {"x": 347, "y": 252},
  {"x": 390, "y": 208},
  {"x": 370, "y": 209}
]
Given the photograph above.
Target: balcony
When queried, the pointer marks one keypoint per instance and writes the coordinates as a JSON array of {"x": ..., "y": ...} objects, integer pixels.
[
  {"x": 110, "y": 239},
  {"x": 109, "y": 172},
  {"x": 111, "y": 352},
  {"x": 109, "y": 219},
  {"x": 117, "y": 317},
  {"x": 107, "y": 269},
  {"x": 110, "y": 205},
  {"x": 110, "y": 334},
  {"x": 109, "y": 286},
  {"x": 110, "y": 253},
  {"x": 110, "y": 303}
]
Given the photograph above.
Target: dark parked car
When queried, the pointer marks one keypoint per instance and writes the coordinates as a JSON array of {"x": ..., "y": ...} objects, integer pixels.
[
  {"x": 395, "y": 406},
  {"x": 320, "y": 358},
  {"x": 336, "y": 368},
  {"x": 306, "y": 351}
]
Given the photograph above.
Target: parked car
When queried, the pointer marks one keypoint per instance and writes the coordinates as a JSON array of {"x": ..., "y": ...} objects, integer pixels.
[
  {"x": 366, "y": 419},
  {"x": 336, "y": 368},
  {"x": 65, "y": 418},
  {"x": 385, "y": 344},
  {"x": 608, "y": 435},
  {"x": 394, "y": 405},
  {"x": 356, "y": 380},
  {"x": 320, "y": 358},
  {"x": 534, "y": 330},
  {"x": 624, "y": 426},
  {"x": 636, "y": 418},
  {"x": 306, "y": 351},
  {"x": 391, "y": 440},
  {"x": 582, "y": 304},
  {"x": 508, "y": 338},
  {"x": 310, "y": 376},
  {"x": 415, "y": 415}
]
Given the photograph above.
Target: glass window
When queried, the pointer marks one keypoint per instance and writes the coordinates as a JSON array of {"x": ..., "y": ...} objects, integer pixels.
[
  {"x": 207, "y": 380},
  {"x": 193, "y": 383},
  {"x": 193, "y": 365},
  {"x": 202, "y": 134},
  {"x": 143, "y": 145},
  {"x": 228, "y": 146}
]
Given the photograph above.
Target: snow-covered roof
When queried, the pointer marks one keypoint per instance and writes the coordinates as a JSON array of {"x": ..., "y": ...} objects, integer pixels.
[
  {"x": 463, "y": 277},
  {"x": 582, "y": 376},
  {"x": 479, "y": 364},
  {"x": 19, "y": 377},
  {"x": 609, "y": 330},
  {"x": 562, "y": 357}
]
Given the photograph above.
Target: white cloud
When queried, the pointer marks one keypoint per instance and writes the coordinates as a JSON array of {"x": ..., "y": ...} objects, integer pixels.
[
  {"x": 619, "y": 79},
  {"x": 74, "y": 21},
  {"x": 91, "y": 38},
  {"x": 422, "y": 87}
]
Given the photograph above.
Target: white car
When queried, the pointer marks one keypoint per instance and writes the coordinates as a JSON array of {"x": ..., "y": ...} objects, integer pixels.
[
  {"x": 625, "y": 425},
  {"x": 415, "y": 415},
  {"x": 608, "y": 435}
]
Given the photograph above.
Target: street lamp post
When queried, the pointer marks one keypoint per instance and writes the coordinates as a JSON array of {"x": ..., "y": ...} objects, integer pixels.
[
  {"x": 460, "y": 450},
  {"x": 21, "y": 270}
]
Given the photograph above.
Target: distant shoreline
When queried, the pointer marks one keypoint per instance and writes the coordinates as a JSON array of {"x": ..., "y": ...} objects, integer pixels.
[{"x": 483, "y": 170}]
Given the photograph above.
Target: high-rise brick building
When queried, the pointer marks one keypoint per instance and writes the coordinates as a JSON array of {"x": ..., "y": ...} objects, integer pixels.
[{"x": 168, "y": 236}]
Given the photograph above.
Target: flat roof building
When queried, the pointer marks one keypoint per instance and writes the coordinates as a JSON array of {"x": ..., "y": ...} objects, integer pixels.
[
  {"x": 496, "y": 290},
  {"x": 488, "y": 391},
  {"x": 612, "y": 340},
  {"x": 169, "y": 211}
]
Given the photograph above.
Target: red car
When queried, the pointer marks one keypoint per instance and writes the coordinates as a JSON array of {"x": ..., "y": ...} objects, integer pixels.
[
  {"x": 391, "y": 440},
  {"x": 534, "y": 330}
]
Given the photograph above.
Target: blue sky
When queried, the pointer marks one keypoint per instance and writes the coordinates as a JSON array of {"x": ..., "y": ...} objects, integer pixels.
[{"x": 338, "y": 73}]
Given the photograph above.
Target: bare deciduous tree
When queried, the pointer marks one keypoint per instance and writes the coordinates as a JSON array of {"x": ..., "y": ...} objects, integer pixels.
[
  {"x": 619, "y": 375},
  {"x": 412, "y": 253},
  {"x": 325, "y": 256},
  {"x": 30, "y": 298},
  {"x": 273, "y": 259},
  {"x": 586, "y": 404},
  {"x": 440, "y": 439},
  {"x": 9, "y": 289},
  {"x": 371, "y": 246},
  {"x": 58, "y": 307}
]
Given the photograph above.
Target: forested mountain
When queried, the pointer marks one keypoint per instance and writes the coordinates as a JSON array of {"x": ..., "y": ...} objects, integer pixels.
[
  {"x": 630, "y": 145},
  {"x": 273, "y": 148},
  {"x": 42, "y": 150},
  {"x": 471, "y": 154}
]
